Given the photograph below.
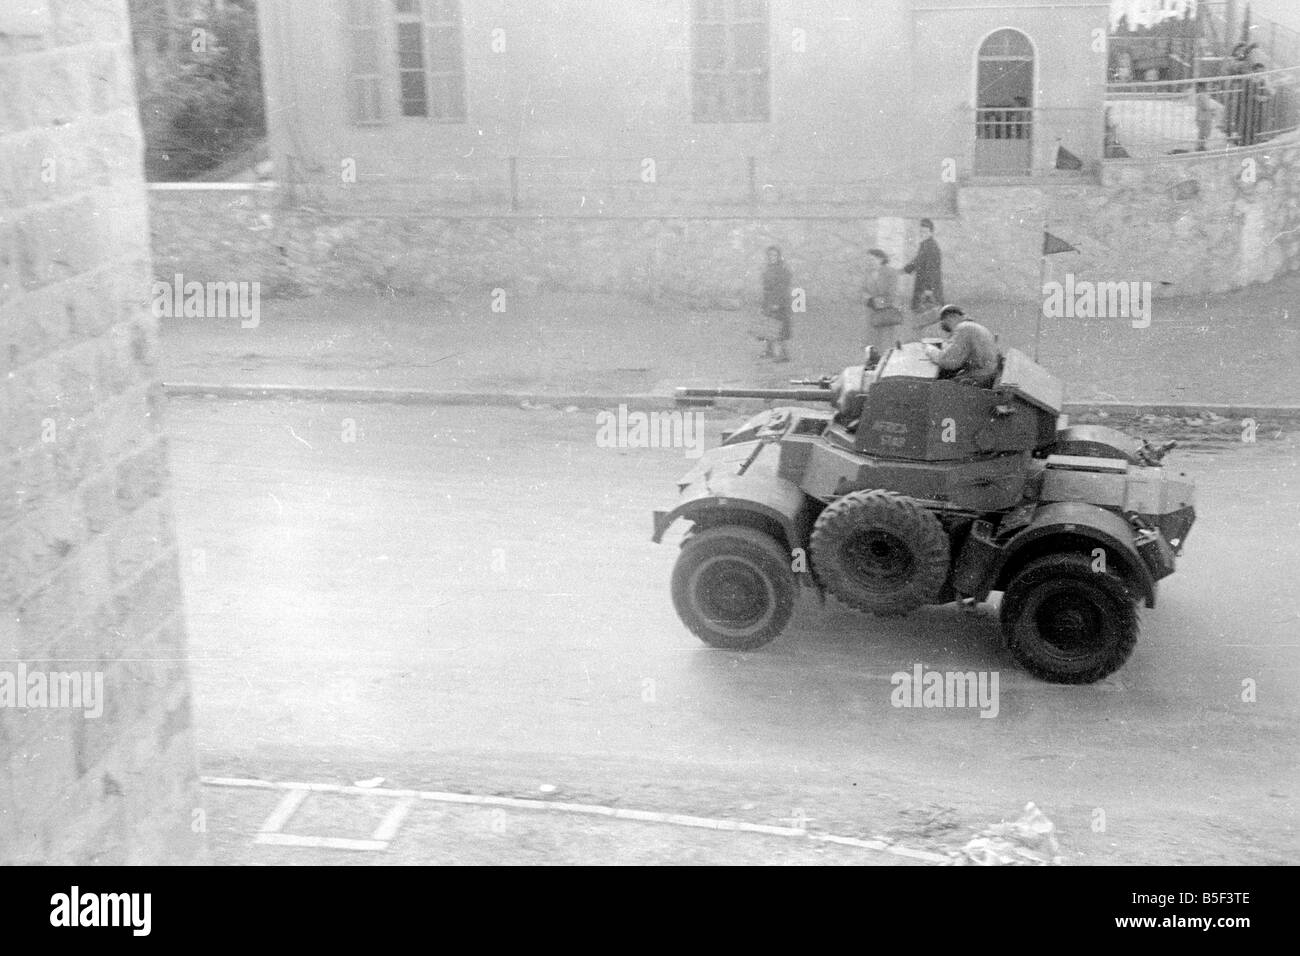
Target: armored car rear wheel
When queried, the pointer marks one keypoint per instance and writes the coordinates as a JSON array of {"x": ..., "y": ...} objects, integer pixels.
[
  {"x": 1067, "y": 623},
  {"x": 880, "y": 552},
  {"x": 733, "y": 587}
]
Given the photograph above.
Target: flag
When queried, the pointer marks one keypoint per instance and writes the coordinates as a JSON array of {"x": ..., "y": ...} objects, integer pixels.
[
  {"x": 1067, "y": 160},
  {"x": 1052, "y": 245}
]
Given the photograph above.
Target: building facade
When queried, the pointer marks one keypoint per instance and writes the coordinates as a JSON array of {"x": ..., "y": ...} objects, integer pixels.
[
  {"x": 612, "y": 106},
  {"x": 655, "y": 148}
]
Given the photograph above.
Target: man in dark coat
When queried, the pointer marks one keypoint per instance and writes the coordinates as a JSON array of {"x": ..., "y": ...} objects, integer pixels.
[
  {"x": 928, "y": 269},
  {"x": 777, "y": 279},
  {"x": 1251, "y": 106}
]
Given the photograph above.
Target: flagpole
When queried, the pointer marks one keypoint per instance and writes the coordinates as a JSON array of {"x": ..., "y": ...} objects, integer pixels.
[{"x": 1042, "y": 284}]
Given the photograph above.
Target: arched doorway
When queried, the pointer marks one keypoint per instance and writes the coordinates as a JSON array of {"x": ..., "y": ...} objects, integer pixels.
[{"x": 1004, "y": 105}]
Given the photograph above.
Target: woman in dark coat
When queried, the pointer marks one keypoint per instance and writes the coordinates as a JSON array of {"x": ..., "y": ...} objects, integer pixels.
[
  {"x": 928, "y": 268},
  {"x": 777, "y": 280}
]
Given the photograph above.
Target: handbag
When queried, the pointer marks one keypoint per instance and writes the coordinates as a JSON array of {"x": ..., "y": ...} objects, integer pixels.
[{"x": 884, "y": 318}]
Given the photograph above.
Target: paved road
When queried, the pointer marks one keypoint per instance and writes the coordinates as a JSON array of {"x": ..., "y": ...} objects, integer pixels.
[{"x": 466, "y": 599}]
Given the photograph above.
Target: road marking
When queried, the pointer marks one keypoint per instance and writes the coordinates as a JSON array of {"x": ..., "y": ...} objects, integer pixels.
[
  {"x": 391, "y": 823},
  {"x": 270, "y": 833},
  {"x": 389, "y": 826},
  {"x": 285, "y": 809},
  {"x": 320, "y": 843}
]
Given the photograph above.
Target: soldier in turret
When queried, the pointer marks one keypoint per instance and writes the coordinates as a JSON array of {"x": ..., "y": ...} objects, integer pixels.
[{"x": 970, "y": 354}]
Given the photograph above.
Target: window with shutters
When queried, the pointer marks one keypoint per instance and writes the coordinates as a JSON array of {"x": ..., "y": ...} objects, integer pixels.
[
  {"x": 730, "y": 61},
  {"x": 430, "y": 65},
  {"x": 422, "y": 40}
]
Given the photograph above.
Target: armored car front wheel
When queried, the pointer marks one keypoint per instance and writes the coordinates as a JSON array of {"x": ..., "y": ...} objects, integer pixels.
[
  {"x": 1068, "y": 623},
  {"x": 733, "y": 587}
]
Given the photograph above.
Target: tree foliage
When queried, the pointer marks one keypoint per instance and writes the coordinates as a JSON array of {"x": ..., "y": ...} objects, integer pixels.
[{"x": 198, "y": 81}]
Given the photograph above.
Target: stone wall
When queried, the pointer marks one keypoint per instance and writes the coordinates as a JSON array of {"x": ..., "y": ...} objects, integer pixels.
[
  {"x": 1191, "y": 226},
  {"x": 89, "y": 582}
]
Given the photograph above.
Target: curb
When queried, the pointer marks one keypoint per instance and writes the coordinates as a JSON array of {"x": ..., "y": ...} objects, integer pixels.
[
  {"x": 411, "y": 396},
  {"x": 1184, "y": 410}
]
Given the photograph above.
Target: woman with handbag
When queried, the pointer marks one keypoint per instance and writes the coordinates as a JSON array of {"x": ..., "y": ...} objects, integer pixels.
[{"x": 880, "y": 294}]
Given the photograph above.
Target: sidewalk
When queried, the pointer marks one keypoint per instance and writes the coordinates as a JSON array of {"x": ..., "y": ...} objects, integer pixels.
[{"x": 1236, "y": 349}]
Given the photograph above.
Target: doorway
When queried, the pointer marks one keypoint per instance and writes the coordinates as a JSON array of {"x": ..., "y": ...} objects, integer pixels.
[{"x": 1004, "y": 105}]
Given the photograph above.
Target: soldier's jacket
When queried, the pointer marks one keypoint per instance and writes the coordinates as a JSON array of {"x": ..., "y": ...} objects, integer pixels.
[{"x": 972, "y": 353}]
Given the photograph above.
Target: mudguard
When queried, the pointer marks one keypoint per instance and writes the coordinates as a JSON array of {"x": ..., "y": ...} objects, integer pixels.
[
  {"x": 1078, "y": 519},
  {"x": 740, "y": 478},
  {"x": 1096, "y": 441}
]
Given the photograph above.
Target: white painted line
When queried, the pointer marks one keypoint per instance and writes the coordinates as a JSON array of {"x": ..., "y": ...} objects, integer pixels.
[
  {"x": 239, "y": 782},
  {"x": 925, "y": 855},
  {"x": 321, "y": 843},
  {"x": 852, "y": 841},
  {"x": 387, "y": 829},
  {"x": 883, "y": 847},
  {"x": 283, "y": 811}
]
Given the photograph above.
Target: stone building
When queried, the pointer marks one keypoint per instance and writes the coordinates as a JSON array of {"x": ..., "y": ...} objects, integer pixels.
[
  {"x": 653, "y": 148},
  {"x": 568, "y": 105},
  {"x": 97, "y": 761}
]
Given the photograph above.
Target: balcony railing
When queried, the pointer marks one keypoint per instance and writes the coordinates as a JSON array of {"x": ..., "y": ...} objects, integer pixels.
[
  {"x": 1157, "y": 119},
  {"x": 1019, "y": 141}
]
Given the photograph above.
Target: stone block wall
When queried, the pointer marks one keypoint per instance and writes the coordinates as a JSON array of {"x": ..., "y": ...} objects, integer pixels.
[
  {"x": 89, "y": 581},
  {"x": 1190, "y": 226}
]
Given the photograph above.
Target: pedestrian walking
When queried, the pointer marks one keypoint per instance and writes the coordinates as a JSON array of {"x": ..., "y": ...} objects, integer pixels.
[
  {"x": 777, "y": 282},
  {"x": 927, "y": 267},
  {"x": 880, "y": 294}
]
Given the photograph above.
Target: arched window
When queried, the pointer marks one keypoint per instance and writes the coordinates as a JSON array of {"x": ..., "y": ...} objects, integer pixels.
[{"x": 1004, "y": 103}]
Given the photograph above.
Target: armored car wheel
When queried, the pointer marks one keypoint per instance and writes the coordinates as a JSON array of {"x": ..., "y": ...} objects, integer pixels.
[
  {"x": 880, "y": 552},
  {"x": 1067, "y": 623},
  {"x": 733, "y": 587}
]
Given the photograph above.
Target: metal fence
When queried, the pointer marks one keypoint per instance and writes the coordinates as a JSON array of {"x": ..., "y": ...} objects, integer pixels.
[
  {"x": 1028, "y": 141},
  {"x": 1158, "y": 119},
  {"x": 1001, "y": 122},
  {"x": 1197, "y": 46}
]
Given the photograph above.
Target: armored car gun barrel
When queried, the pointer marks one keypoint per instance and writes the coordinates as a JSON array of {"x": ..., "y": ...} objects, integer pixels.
[{"x": 703, "y": 396}]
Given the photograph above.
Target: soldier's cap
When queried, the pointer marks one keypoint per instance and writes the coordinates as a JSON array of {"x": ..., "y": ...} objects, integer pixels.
[{"x": 948, "y": 310}]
